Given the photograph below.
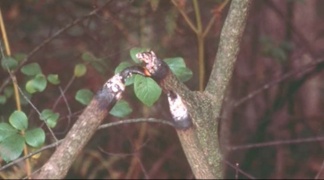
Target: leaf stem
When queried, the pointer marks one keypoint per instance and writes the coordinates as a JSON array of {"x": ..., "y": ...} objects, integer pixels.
[
  {"x": 200, "y": 40},
  {"x": 15, "y": 85},
  {"x": 185, "y": 16}
]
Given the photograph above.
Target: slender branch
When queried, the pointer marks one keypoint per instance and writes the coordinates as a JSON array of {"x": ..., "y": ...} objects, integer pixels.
[
  {"x": 221, "y": 74},
  {"x": 200, "y": 40},
  {"x": 276, "y": 143},
  {"x": 15, "y": 84},
  {"x": 212, "y": 20},
  {"x": 86, "y": 125},
  {"x": 228, "y": 48},
  {"x": 302, "y": 70},
  {"x": 185, "y": 16}
]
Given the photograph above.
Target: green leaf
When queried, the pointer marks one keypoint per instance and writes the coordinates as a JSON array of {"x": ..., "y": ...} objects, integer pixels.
[
  {"x": 31, "y": 69},
  {"x": 35, "y": 137},
  {"x": 37, "y": 84},
  {"x": 122, "y": 66},
  {"x": 6, "y": 130},
  {"x": 19, "y": 120},
  {"x": 8, "y": 91},
  {"x": 99, "y": 67},
  {"x": 80, "y": 70},
  {"x": 99, "y": 64},
  {"x": 121, "y": 109},
  {"x": 175, "y": 62},
  {"x": 54, "y": 79},
  {"x": 136, "y": 50},
  {"x": 12, "y": 147},
  {"x": 20, "y": 56},
  {"x": 84, "y": 96},
  {"x": 9, "y": 62},
  {"x": 49, "y": 117},
  {"x": 146, "y": 90},
  {"x": 179, "y": 69},
  {"x": 3, "y": 99},
  {"x": 171, "y": 21},
  {"x": 88, "y": 57}
]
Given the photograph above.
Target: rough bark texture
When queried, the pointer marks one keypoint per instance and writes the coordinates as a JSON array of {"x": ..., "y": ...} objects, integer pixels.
[
  {"x": 200, "y": 142},
  {"x": 81, "y": 132},
  {"x": 60, "y": 162}
]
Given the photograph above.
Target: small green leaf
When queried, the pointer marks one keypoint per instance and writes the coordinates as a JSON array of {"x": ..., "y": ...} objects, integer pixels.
[
  {"x": 121, "y": 109},
  {"x": 6, "y": 130},
  {"x": 20, "y": 56},
  {"x": 31, "y": 69},
  {"x": 8, "y": 91},
  {"x": 122, "y": 66},
  {"x": 37, "y": 84},
  {"x": 49, "y": 117},
  {"x": 179, "y": 69},
  {"x": 146, "y": 90},
  {"x": 183, "y": 74},
  {"x": 53, "y": 78},
  {"x": 136, "y": 50},
  {"x": 88, "y": 57},
  {"x": 9, "y": 62},
  {"x": 99, "y": 67},
  {"x": 19, "y": 120},
  {"x": 80, "y": 70},
  {"x": 3, "y": 99},
  {"x": 84, "y": 96},
  {"x": 175, "y": 62},
  {"x": 35, "y": 137},
  {"x": 171, "y": 21},
  {"x": 12, "y": 147}
]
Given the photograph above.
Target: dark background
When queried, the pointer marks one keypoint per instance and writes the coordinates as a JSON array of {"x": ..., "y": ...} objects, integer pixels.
[{"x": 281, "y": 38}]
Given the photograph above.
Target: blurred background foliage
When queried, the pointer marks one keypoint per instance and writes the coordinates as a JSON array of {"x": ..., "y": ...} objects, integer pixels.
[{"x": 281, "y": 37}]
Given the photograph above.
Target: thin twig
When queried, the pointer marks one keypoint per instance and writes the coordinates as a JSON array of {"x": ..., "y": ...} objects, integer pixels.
[
  {"x": 275, "y": 143},
  {"x": 108, "y": 125},
  {"x": 15, "y": 83},
  {"x": 185, "y": 16},
  {"x": 238, "y": 169},
  {"x": 212, "y": 20},
  {"x": 278, "y": 80}
]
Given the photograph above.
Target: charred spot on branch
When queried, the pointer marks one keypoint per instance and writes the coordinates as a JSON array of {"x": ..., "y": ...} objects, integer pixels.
[
  {"x": 179, "y": 111},
  {"x": 128, "y": 72},
  {"x": 157, "y": 68},
  {"x": 112, "y": 90}
]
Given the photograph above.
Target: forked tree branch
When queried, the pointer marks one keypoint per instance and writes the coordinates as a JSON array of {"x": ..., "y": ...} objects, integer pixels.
[{"x": 200, "y": 141}]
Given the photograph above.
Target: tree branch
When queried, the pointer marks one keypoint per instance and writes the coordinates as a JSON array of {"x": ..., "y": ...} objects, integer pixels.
[
  {"x": 86, "y": 125},
  {"x": 228, "y": 49}
]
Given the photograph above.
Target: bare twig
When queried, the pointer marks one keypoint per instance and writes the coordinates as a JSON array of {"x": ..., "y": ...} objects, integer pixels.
[
  {"x": 275, "y": 143},
  {"x": 282, "y": 78}
]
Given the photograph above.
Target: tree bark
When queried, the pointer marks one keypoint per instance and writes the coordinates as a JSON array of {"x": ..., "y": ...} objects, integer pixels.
[{"x": 200, "y": 142}]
